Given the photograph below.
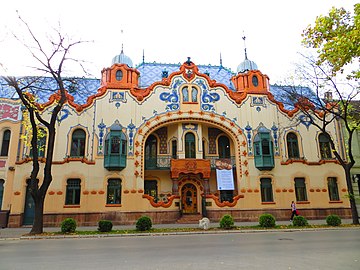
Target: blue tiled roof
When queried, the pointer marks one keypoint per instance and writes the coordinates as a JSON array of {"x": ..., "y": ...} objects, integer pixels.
[
  {"x": 283, "y": 94},
  {"x": 82, "y": 88},
  {"x": 152, "y": 72}
]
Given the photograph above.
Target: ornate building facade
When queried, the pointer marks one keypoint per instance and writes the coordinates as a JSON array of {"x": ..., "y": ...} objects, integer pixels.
[{"x": 170, "y": 141}]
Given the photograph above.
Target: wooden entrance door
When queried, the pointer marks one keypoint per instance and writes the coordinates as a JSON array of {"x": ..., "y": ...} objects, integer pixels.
[{"x": 189, "y": 199}]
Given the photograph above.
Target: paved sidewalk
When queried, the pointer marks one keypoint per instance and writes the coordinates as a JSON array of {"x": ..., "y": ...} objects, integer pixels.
[{"x": 16, "y": 233}]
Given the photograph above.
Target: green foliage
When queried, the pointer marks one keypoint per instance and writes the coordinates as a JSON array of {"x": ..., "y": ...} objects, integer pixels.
[
  {"x": 105, "y": 226},
  {"x": 68, "y": 225},
  {"x": 227, "y": 222},
  {"x": 143, "y": 223},
  {"x": 267, "y": 221},
  {"x": 333, "y": 220},
  {"x": 337, "y": 38},
  {"x": 300, "y": 221}
]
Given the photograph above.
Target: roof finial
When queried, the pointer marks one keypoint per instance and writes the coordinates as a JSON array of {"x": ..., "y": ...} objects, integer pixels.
[
  {"x": 244, "y": 38},
  {"x": 143, "y": 56},
  {"x": 220, "y": 60},
  {"x": 122, "y": 43}
]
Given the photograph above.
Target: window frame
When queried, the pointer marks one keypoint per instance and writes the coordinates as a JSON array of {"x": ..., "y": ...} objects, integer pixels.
[
  {"x": 113, "y": 190},
  {"x": 292, "y": 145},
  {"x": 266, "y": 190},
  {"x": 5, "y": 145},
  {"x": 324, "y": 147},
  {"x": 73, "y": 191},
  {"x": 190, "y": 145},
  {"x": 222, "y": 143},
  {"x": 151, "y": 188},
  {"x": 2, "y": 183},
  {"x": 333, "y": 189},
  {"x": 78, "y": 149},
  {"x": 300, "y": 189}
]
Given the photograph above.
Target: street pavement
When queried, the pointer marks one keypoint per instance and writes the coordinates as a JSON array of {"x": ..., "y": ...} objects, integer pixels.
[{"x": 20, "y": 233}]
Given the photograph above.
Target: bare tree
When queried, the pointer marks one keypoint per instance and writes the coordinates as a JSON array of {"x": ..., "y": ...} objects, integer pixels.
[
  {"x": 51, "y": 63},
  {"x": 331, "y": 102}
]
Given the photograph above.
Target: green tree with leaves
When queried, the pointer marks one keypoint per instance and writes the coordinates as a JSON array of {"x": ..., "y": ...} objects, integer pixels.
[{"x": 336, "y": 37}]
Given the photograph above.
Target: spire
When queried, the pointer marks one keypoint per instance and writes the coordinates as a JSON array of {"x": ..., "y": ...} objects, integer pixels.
[
  {"x": 143, "y": 58},
  {"x": 244, "y": 38},
  {"x": 220, "y": 60},
  {"x": 122, "y": 43}
]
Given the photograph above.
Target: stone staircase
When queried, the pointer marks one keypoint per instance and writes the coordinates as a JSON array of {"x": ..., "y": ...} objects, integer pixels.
[{"x": 189, "y": 218}]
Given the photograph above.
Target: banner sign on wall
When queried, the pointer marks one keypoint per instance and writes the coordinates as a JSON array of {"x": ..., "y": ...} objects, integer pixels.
[{"x": 224, "y": 174}]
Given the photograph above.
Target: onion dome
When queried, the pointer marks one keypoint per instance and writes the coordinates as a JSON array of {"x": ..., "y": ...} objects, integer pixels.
[
  {"x": 247, "y": 64},
  {"x": 122, "y": 59}
]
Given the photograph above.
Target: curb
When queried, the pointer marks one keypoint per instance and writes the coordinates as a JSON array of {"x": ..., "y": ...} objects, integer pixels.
[{"x": 39, "y": 237}]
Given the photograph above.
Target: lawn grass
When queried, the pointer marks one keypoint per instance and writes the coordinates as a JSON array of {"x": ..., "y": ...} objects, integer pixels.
[{"x": 184, "y": 230}]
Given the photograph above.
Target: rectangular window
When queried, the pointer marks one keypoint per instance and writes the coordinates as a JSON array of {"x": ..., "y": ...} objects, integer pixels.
[
  {"x": 300, "y": 189},
  {"x": 266, "y": 190},
  {"x": 114, "y": 191},
  {"x": 73, "y": 189},
  {"x": 226, "y": 195},
  {"x": 333, "y": 189},
  {"x": 174, "y": 149},
  {"x": 151, "y": 188}
]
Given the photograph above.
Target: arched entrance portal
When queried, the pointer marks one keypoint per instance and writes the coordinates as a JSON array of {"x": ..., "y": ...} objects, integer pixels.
[{"x": 189, "y": 200}]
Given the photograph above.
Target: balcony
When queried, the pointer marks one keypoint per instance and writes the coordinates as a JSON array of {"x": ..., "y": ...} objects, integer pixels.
[
  {"x": 114, "y": 162},
  {"x": 190, "y": 165},
  {"x": 157, "y": 163},
  {"x": 164, "y": 162}
]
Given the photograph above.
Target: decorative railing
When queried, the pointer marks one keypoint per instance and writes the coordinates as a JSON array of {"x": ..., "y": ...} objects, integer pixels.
[
  {"x": 214, "y": 158},
  {"x": 164, "y": 162},
  {"x": 157, "y": 163}
]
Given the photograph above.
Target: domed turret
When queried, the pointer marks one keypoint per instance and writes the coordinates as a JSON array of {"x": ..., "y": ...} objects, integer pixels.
[
  {"x": 247, "y": 64},
  {"x": 122, "y": 59}
]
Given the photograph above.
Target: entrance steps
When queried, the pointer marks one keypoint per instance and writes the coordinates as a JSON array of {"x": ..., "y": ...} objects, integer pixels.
[{"x": 189, "y": 218}]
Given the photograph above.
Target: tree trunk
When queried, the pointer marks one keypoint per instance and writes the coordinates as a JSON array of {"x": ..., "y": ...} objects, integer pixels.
[
  {"x": 37, "y": 227},
  {"x": 354, "y": 213}
]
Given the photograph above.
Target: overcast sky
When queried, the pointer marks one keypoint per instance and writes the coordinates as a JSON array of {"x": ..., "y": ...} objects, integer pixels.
[{"x": 168, "y": 31}]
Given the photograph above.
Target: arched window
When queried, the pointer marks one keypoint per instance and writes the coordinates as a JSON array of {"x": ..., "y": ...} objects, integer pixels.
[
  {"x": 73, "y": 191},
  {"x": 255, "y": 80},
  {"x": 266, "y": 190},
  {"x": 185, "y": 93},
  {"x": 41, "y": 143},
  {"x": 194, "y": 93},
  {"x": 119, "y": 75},
  {"x": 190, "y": 145},
  {"x": 224, "y": 147},
  {"x": 324, "y": 145},
  {"x": 292, "y": 145},
  {"x": 151, "y": 152},
  {"x": 333, "y": 189},
  {"x": 78, "y": 143},
  {"x": 1, "y": 191},
  {"x": 5, "y": 143},
  {"x": 114, "y": 191}
]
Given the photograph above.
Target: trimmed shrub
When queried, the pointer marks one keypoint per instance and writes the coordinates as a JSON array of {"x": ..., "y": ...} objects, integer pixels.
[
  {"x": 227, "y": 222},
  {"x": 300, "y": 221},
  {"x": 105, "y": 226},
  {"x": 267, "y": 221},
  {"x": 333, "y": 220},
  {"x": 143, "y": 223},
  {"x": 68, "y": 225}
]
